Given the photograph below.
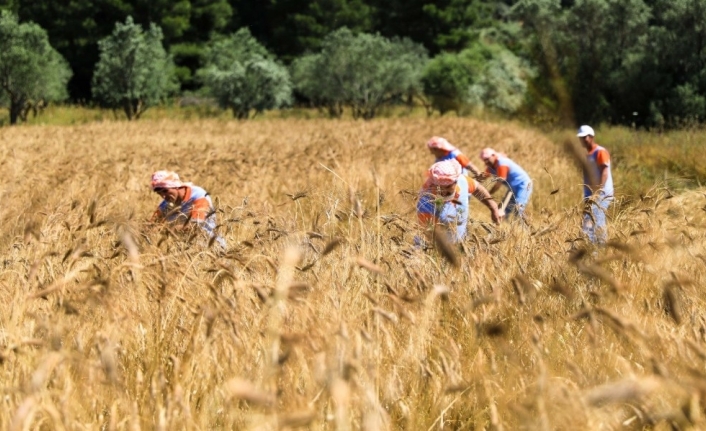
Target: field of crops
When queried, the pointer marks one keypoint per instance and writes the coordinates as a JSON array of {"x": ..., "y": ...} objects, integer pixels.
[{"x": 320, "y": 314}]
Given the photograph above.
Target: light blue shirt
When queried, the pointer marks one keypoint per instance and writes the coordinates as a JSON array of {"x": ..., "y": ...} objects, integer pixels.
[
  {"x": 517, "y": 178},
  {"x": 452, "y": 212}
]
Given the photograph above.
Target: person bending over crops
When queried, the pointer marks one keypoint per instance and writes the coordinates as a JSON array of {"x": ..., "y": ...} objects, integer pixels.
[
  {"x": 597, "y": 187},
  {"x": 443, "y": 150},
  {"x": 511, "y": 175},
  {"x": 444, "y": 199},
  {"x": 183, "y": 204}
]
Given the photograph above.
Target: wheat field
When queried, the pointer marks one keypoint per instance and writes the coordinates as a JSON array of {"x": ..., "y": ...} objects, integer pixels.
[{"x": 320, "y": 315}]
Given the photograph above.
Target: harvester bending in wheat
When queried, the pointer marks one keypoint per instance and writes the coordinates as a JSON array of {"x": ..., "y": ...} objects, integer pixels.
[
  {"x": 509, "y": 174},
  {"x": 184, "y": 205},
  {"x": 444, "y": 200}
]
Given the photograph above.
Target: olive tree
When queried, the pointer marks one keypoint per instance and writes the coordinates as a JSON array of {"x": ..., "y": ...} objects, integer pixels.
[
  {"x": 31, "y": 71},
  {"x": 134, "y": 71},
  {"x": 243, "y": 76},
  {"x": 364, "y": 71}
]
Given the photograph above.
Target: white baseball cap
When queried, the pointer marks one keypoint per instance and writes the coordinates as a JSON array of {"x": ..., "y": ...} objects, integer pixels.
[{"x": 585, "y": 131}]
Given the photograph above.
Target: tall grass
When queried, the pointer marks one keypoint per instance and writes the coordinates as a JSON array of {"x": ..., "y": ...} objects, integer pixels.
[{"x": 320, "y": 315}]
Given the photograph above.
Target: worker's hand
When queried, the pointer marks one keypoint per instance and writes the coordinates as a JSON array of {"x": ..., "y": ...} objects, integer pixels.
[
  {"x": 497, "y": 216},
  {"x": 482, "y": 176},
  {"x": 181, "y": 227}
]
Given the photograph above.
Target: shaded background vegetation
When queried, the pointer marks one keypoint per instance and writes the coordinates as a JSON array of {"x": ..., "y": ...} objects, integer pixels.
[{"x": 554, "y": 61}]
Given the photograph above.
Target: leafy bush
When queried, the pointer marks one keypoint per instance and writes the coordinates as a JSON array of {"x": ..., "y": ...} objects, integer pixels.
[
  {"x": 484, "y": 76},
  {"x": 501, "y": 84},
  {"x": 447, "y": 80},
  {"x": 243, "y": 76},
  {"x": 134, "y": 71}
]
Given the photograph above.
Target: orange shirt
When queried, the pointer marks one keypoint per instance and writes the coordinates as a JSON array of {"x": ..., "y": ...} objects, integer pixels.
[{"x": 195, "y": 206}]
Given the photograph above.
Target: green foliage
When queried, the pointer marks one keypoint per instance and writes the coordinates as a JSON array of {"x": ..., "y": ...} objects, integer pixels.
[
  {"x": 302, "y": 24},
  {"x": 617, "y": 61},
  {"x": 624, "y": 62},
  {"x": 76, "y": 26},
  {"x": 74, "y": 29},
  {"x": 502, "y": 82},
  {"x": 363, "y": 71},
  {"x": 325, "y": 16},
  {"x": 446, "y": 80},
  {"x": 243, "y": 76},
  {"x": 208, "y": 16},
  {"x": 172, "y": 16},
  {"x": 187, "y": 26},
  {"x": 304, "y": 71},
  {"x": 674, "y": 71},
  {"x": 460, "y": 21},
  {"x": 134, "y": 71},
  {"x": 10, "y": 5},
  {"x": 484, "y": 76},
  {"x": 188, "y": 57},
  {"x": 442, "y": 25},
  {"x": 292, "y": 28},
  {"x": 183, "y": 20},
  {"x": 31, "y": 71}
]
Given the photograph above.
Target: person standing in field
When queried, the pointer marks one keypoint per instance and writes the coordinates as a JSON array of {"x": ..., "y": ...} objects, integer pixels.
[
  {"x": 512, "y": 176},
  {"x": 184, "y": 204},
  {"x": 443, "y": 150},
  {"x": 597, "y": 187},
  {"x": 444, "y": 200}
]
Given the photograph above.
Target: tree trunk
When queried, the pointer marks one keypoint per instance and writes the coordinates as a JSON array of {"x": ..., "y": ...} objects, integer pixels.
[
  {"x": 241, "y": 113},
  {"x": 334, "y": 110},
  {"x": 140, "y": 108},
  {"x": 16, "y": 106},
  {"x": 127, "y": 108},
  {"x": 26, "y": 107}
]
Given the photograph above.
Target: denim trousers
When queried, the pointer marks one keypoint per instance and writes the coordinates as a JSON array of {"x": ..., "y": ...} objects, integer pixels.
[
  {"x": 518, "y": 202},
  {"x": 594, "y": 218}
]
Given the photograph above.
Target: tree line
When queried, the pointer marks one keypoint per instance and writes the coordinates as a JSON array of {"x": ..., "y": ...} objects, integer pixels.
[{"x": 567, "y": 61}]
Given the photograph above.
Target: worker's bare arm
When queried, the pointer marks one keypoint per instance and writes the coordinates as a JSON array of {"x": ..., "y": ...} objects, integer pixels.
[{"x": 482, "y": 194}]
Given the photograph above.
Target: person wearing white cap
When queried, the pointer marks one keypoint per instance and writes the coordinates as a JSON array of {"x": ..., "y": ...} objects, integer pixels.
[
  {"x": 597, "y": 186},
  {"x": 512, "y": 176}
]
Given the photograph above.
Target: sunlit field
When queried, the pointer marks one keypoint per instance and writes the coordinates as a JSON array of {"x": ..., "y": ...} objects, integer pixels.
[{"x": 320, "y": 314}]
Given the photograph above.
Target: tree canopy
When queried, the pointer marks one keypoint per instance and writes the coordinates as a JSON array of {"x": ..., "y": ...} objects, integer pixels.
[
  {"x": 362, "y": 71},
  {"x": 243, "y": 76}
]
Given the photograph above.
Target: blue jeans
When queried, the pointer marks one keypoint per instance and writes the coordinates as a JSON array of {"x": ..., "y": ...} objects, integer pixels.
[
  {"x": 518, "y": 202},
  {"x": 594, "y": 219}
]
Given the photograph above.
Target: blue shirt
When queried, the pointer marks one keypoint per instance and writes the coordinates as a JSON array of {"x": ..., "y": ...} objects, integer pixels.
[{"x": 515, "y": 176}]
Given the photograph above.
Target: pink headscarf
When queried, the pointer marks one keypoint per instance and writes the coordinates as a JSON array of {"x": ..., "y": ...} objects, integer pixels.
[
  {"x": 166, "y": 180},
  {"x": 444, "y": 173},
  {"x": 440, "y": 143},
  {"x": 487, "y": 153}
]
